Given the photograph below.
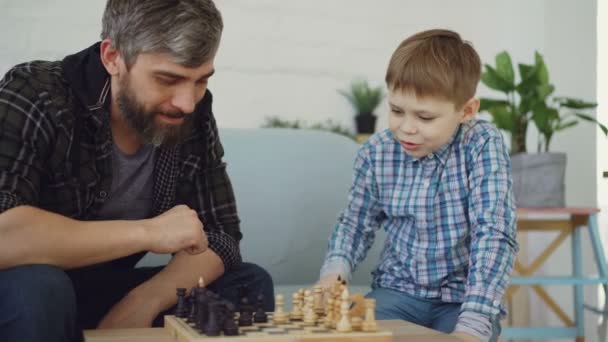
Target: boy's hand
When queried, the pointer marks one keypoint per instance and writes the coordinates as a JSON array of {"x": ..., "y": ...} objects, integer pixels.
[
  {"x": 327, "y": 281},
  {"x": 465, "y": 337}
]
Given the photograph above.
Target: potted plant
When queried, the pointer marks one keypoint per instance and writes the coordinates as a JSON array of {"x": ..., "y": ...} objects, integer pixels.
[
  {"x": 364, "y": 100},
  {"x": 538, "y": 178}
]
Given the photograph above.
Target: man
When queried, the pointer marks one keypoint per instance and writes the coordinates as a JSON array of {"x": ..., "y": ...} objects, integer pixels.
[{"x": 108, "y": 154}]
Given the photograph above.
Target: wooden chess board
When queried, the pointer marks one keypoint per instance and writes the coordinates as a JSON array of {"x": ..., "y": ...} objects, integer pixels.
[{"x": 294, "y": 331}]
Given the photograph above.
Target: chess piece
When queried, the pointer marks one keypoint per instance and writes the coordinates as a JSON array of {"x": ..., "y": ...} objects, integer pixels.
[
  {"x": 193, "y": 307},
  {"x": 260, "y": 315},
  {"x": 246, "y": 317},
  {"x": 202, "y": 311},
  {"x": 318, "y": 301},
  {"x": 229, "y": 327},
  {"x": 296, "y": 313},
  {"x": 212, "y": 327},
  {"x": 356, "y": 323},
  {"x": 344, "y": 323},
  {"x": 329, "y": 317},
  {"x": 369, "y": 324},
  {"x": 310, "y": 318},
  {"x": 181, "y": 311},
  {"x": 280, "y": 316},
  {"x": 302, "y": 301}
]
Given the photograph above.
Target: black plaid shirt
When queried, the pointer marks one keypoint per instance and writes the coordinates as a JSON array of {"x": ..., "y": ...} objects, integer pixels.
[{"x": 56, "y": 151}]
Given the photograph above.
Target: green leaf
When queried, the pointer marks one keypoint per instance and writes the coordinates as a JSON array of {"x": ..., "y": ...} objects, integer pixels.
[
  {"x": 573, "y": 103},
  {"x": 544, "y": 90},
  {"x": 362, "y": 97},
  {"x": 565, "y": 125},
  {"x": 504, "y": 68},
  {"x": 492, "y": 79},
  {"x": 528, "y": 80},
  {"x": 503, "y": 118},
  {"x": 592, "y": 119},
  {"x": 486, "y": 104},
  {"x": 543, "y": 117},
  {"x": 542, "y": 73}
]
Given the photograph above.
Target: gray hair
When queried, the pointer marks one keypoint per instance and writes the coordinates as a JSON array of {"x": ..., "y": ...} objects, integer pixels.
[{"x": 189, "y": 31}]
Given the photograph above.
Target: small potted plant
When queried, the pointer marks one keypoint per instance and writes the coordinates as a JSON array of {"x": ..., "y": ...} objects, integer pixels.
[
  {"x": 364, "y": 100},
  {"x": 538, "y": 178}
]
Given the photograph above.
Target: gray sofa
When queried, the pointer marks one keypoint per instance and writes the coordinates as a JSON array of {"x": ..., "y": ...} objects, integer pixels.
[{"x": 290, "y": 186}]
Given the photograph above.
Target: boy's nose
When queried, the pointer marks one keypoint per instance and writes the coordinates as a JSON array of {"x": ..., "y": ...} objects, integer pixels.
[{"x": 408, "y": 127}]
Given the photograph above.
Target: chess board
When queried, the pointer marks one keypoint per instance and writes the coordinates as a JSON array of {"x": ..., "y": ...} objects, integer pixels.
[{"x": 294, "y": 331}]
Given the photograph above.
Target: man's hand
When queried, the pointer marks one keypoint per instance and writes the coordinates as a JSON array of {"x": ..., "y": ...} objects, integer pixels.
[
  {"x": 465, "y": 337},
  {"x": 135, "y": 310},
  {"x": 179, "y": 228}
]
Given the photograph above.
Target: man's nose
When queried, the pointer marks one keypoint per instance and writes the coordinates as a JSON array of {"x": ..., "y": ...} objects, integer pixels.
[{"x": 185, "y": 100}]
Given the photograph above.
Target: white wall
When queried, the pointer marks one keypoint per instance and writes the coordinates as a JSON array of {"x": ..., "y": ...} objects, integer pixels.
[{"x": 288, "y": 58}]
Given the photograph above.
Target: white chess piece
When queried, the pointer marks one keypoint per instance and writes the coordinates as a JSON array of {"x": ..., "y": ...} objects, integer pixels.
[
  {"x": 369, "y": 324},
  {"x": 329, "y": 317},
  {"x": 279, "y": 316},
  {"x": 296, "y": 313},
  {"x": 318, "y": 301},
  {"x": 344, "y": 323},
  {"x": 310, "y": 318}
]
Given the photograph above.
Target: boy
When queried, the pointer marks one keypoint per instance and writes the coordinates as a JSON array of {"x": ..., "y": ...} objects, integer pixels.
[{"x": 438, "y": 181}]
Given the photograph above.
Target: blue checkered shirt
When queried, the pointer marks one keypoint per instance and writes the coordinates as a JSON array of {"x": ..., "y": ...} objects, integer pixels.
[{"x": 449, "y": 219}]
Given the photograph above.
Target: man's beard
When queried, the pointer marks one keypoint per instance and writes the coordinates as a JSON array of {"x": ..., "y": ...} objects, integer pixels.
[{"x": 142, "y": 121}]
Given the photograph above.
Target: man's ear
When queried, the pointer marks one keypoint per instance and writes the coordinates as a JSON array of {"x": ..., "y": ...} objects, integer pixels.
[
  {"x": 470, "y": 108},
  {"x": 110, "y": 57}
]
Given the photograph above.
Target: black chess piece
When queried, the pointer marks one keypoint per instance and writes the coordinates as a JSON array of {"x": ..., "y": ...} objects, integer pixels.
[
  {"x": 213, "y": 328},
  {"x": 230, "y": 328},
  {"x": 246, "y": 317},
  {"x": 193, "y": 307},
  {"x": 202, "y": 302},
  {"x": 181, "y": 310},
  {"x": 260, "y": 315}
]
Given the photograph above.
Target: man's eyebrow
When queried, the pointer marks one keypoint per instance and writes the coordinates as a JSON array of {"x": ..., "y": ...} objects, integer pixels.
[{"x": 182, "y": 77}]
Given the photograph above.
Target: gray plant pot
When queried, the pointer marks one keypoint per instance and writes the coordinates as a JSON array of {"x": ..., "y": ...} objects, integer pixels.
[{"x": 538, "y": 179}]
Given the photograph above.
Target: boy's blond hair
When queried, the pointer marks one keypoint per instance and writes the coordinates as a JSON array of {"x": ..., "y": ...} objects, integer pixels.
[{"x": 435, "y": 63}]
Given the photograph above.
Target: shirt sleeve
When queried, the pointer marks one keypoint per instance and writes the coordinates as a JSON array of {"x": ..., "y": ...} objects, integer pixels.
[
  {"x": 25, "y": 134},
  {"x": 216, "y": 203},
  {"x": 493, "y": 228},
  {"x": 354, "y": 233}
]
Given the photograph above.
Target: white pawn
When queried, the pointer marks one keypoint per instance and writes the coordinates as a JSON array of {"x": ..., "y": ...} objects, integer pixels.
[
  {"x": 344, "y": 323},
  {"x": 279, "y": 316},
  {"x": 310, "y": 318},
  {"x": 296, "y": 313},
  {"x": 369, "y": 324},
  {"x": 329, "y": 317},
  {"x": 318, "y": 301}
]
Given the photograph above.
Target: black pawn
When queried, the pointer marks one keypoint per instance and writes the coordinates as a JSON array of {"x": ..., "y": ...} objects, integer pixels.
[
  {"x": 230, "y": 328},
  {"x": 212, "y": 328},
  {"x": 260, "y": 315},
  {"x": 245, "y": 318}
]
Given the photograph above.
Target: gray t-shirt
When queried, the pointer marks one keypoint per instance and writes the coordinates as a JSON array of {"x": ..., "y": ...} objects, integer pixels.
[{"x": 130, "y": 196}]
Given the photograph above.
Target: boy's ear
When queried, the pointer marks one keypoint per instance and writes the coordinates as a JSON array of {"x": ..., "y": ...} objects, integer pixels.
[
  {"x": 110, "y": 57},
  {"x": 470, "y": 108}
]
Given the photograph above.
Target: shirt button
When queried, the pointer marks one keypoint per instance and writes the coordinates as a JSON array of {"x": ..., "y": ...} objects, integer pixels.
[
  {"x": 430, "y": 156},
  {"x": 103, "y": 194},
  {"x": 496, "y": 303}
]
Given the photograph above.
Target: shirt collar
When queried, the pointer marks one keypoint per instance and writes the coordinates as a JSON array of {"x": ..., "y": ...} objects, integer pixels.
[{"x": 88, "y": 80}]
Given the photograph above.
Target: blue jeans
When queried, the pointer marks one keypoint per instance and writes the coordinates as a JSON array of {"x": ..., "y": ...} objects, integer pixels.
[
  {"x": 430, "y": 313},
  {"x": 46, "y": 303}
]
